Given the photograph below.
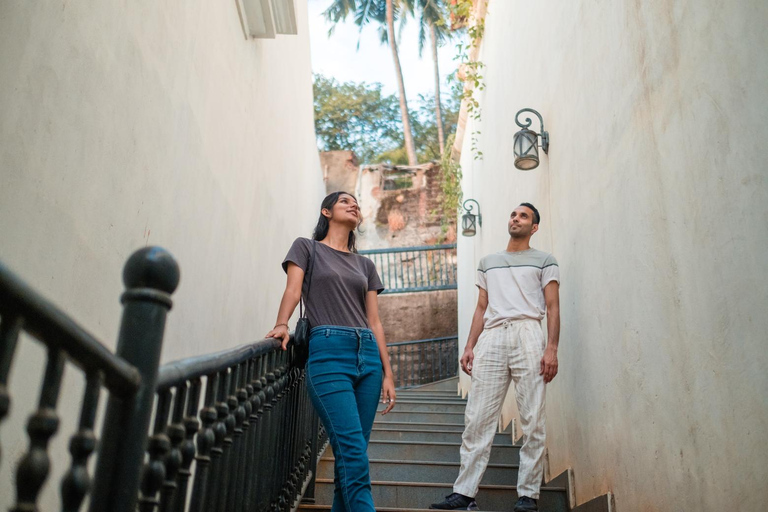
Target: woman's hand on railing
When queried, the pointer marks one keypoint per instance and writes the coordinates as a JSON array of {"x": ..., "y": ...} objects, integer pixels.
[
  {"x": 388, "y": 393},
  {"x": 280, "y": 332}
]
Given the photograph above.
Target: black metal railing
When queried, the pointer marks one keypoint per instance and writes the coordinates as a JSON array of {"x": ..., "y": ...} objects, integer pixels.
[
  {"x": 251, "y": 445},
  {"x": 420, "y": 362},
  {"x": 150, "y": 275},
  {"x": 256, "y": 433},
  {"x": 415, "y": 269}
]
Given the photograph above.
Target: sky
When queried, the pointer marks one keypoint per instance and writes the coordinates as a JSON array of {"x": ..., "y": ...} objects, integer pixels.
[{"x": 337, "y": 56}]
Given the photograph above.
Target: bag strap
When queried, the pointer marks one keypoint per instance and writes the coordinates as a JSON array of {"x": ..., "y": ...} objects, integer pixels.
[{"x": 309, "y": 277}]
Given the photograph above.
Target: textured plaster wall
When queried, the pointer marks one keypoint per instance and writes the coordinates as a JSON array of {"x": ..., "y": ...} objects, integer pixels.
[
  {"x": 124, "y": 124},
  {"x": 654, "y": 198},
  {"x": 418, "y": 315}
]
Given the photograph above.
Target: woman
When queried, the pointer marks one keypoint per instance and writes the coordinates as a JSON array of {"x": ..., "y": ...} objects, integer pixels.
[{"x": 348, "y": 366}]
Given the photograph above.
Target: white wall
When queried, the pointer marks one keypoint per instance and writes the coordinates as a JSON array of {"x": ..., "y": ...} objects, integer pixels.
[
  {"x": 124, "y": 124},
  {"x": 654, "y": 199}
]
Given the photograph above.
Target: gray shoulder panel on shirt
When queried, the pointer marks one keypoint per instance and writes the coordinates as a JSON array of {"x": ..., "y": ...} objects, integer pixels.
[{"x": 503, "y": 259}]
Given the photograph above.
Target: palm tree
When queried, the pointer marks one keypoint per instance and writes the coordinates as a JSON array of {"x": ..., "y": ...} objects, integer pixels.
[
  {"x": 433, "y": 20},
  {"x": 384, "y": 13}
]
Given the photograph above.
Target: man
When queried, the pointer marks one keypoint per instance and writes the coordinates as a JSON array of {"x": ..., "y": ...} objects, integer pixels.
[{"x": 506, "y": 342}]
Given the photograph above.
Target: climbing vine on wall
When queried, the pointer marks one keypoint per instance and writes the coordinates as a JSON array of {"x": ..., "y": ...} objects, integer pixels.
[
  {"x": 468, "y": 80},
  {"x": 469, "y": 75},
  {"x": 450, "y": 187}
]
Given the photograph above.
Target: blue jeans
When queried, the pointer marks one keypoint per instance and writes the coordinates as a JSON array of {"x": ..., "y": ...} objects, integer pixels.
[{"x": 344, "y": 383}]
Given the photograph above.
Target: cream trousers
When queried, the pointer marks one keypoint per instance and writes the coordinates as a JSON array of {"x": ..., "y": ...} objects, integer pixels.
[{"x": 509, "y": 352}]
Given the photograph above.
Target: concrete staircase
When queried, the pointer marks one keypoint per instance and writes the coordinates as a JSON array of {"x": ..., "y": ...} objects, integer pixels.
[{"x": 414, "y": 458}]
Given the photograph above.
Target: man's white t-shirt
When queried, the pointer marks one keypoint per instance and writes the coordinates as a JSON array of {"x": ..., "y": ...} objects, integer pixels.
[{"x": 515, "y": 284}]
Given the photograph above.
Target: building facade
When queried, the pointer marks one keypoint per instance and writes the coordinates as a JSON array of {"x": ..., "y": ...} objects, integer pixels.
[
  {"x": 654, "y": 199},
  {"x": 152, "y": 123}
]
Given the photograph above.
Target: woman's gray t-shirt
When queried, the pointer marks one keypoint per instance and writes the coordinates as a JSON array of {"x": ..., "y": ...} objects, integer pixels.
[{"x": 340, "y": 281}]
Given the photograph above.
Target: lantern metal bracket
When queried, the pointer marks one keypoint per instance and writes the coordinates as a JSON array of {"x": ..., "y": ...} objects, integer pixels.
[
  {"x": 544, "y": 134},
  {"x": 469, "y": 209}
]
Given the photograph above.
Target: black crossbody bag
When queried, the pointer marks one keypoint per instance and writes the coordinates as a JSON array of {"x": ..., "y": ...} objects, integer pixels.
[{"x": 301, "y": 334}]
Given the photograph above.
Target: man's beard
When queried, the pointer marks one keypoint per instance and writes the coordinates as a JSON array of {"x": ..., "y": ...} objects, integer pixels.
[{"x": 519, "y": 234}]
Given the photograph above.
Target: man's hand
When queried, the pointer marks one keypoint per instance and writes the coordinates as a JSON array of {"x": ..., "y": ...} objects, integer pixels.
[
  {"x": 388, "y": 395},
  {"x": 549, "y": 364},
  {"x": 466, "y": 361},
  {"x": 281, "y": 333}
]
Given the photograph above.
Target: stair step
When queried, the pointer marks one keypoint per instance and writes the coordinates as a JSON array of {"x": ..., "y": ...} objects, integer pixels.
[
  {"x": 306, "y": 507},
  {"x": 441, "y": 406},
  {"x": 383, "y": 433},
  {"x": 427, "y": 394},
  {"x": 425, "y": 417},
  {"x": 451, "y": 384},
  {"x": 398, "y": 425},
  {"x": 431, "y": 399},
  {"x": 424, "y": 471},
  {"x": 421, "y": 494},
  {"x": 434, "y": 451}
]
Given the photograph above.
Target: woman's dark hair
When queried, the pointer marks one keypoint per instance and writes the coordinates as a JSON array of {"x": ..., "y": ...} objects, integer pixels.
[{"x": 321, "y": 230}]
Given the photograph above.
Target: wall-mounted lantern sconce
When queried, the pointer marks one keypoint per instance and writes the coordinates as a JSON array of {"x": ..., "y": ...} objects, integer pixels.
[
  {"x": 526, "y": 142},
  {"x": 469, "y": 221}
]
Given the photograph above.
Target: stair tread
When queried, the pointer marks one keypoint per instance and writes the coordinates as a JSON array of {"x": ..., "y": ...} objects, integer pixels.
[
  {"x": 424, "y": 462},
  {"x": 490, "y": 487},
  {"x": 434, "y": 443},
  {"x": 320, "y": 506}
]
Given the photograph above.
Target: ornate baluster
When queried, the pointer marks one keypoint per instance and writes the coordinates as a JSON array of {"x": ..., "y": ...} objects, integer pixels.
[
  {"x": 268, "y": 478},
  {"x": 284, "y": 439},
  {"x": 242, "y": 423},
  {"x": 229, "y": 459},
  {"x": 217, "y": 452},
  {"x": 205, "y": 440},
  {"x": 433, "y": 355},
  {"x": 76, "y": 483},
  {"x": 313, "y": 431},
  {"x": 158, "y": 448},
  {"x": 10, "y": 326},
  {"x": 252, "y": 451},
  {"x": 175, "y": 432},
  {"x": 191, "y": 426},
  {"x": 150, "y": 275},
  {"x": 297, "y": 429},
  {"x": 440, "y": 360},
  {"x": 35, "y": 465}
]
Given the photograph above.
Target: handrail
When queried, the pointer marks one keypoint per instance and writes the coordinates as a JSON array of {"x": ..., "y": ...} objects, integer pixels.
[
  {"x": 45, "y": 321},
  {"x": 150, "y": 276},
  {"x": 428, "y": 340},
  {"x": 415, "y": 269},
  {"x": 253, "y": 439},
  {"x": 407, "y": 249},
  {"x": 177, "y": 372},
  {"x": 423, "y": 361}
]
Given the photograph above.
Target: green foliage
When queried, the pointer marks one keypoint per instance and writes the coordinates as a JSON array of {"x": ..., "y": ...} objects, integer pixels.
[
  {"x": 359, "y": 117},
  {"x": 450, "y": 187},
  {"x": 473, "y": 80}
]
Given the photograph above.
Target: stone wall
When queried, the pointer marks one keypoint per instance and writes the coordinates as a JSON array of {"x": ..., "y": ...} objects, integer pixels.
[
  {"x": 419, "y": 315},
  {"x": 401, "y": 206},
  {"x": 340, "y": 171}
]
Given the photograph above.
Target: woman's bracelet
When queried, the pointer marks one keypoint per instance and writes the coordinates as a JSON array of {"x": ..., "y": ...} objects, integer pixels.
[{"x": 278, "y": 325}]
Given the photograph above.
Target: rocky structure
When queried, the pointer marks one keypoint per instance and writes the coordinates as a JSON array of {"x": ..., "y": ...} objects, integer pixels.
[
  {"x": 340, "y": 170},
  {"x": 401, "y": 206}
]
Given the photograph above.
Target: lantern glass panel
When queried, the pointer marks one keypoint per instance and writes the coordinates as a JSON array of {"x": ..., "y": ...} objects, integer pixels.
[
  {"x": 526, "y": 150},
  {"x": 468, "y": 224}
]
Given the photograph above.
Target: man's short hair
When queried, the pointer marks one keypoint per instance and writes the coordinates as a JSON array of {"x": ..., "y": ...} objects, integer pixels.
[{"x": 536, "y": 216}]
